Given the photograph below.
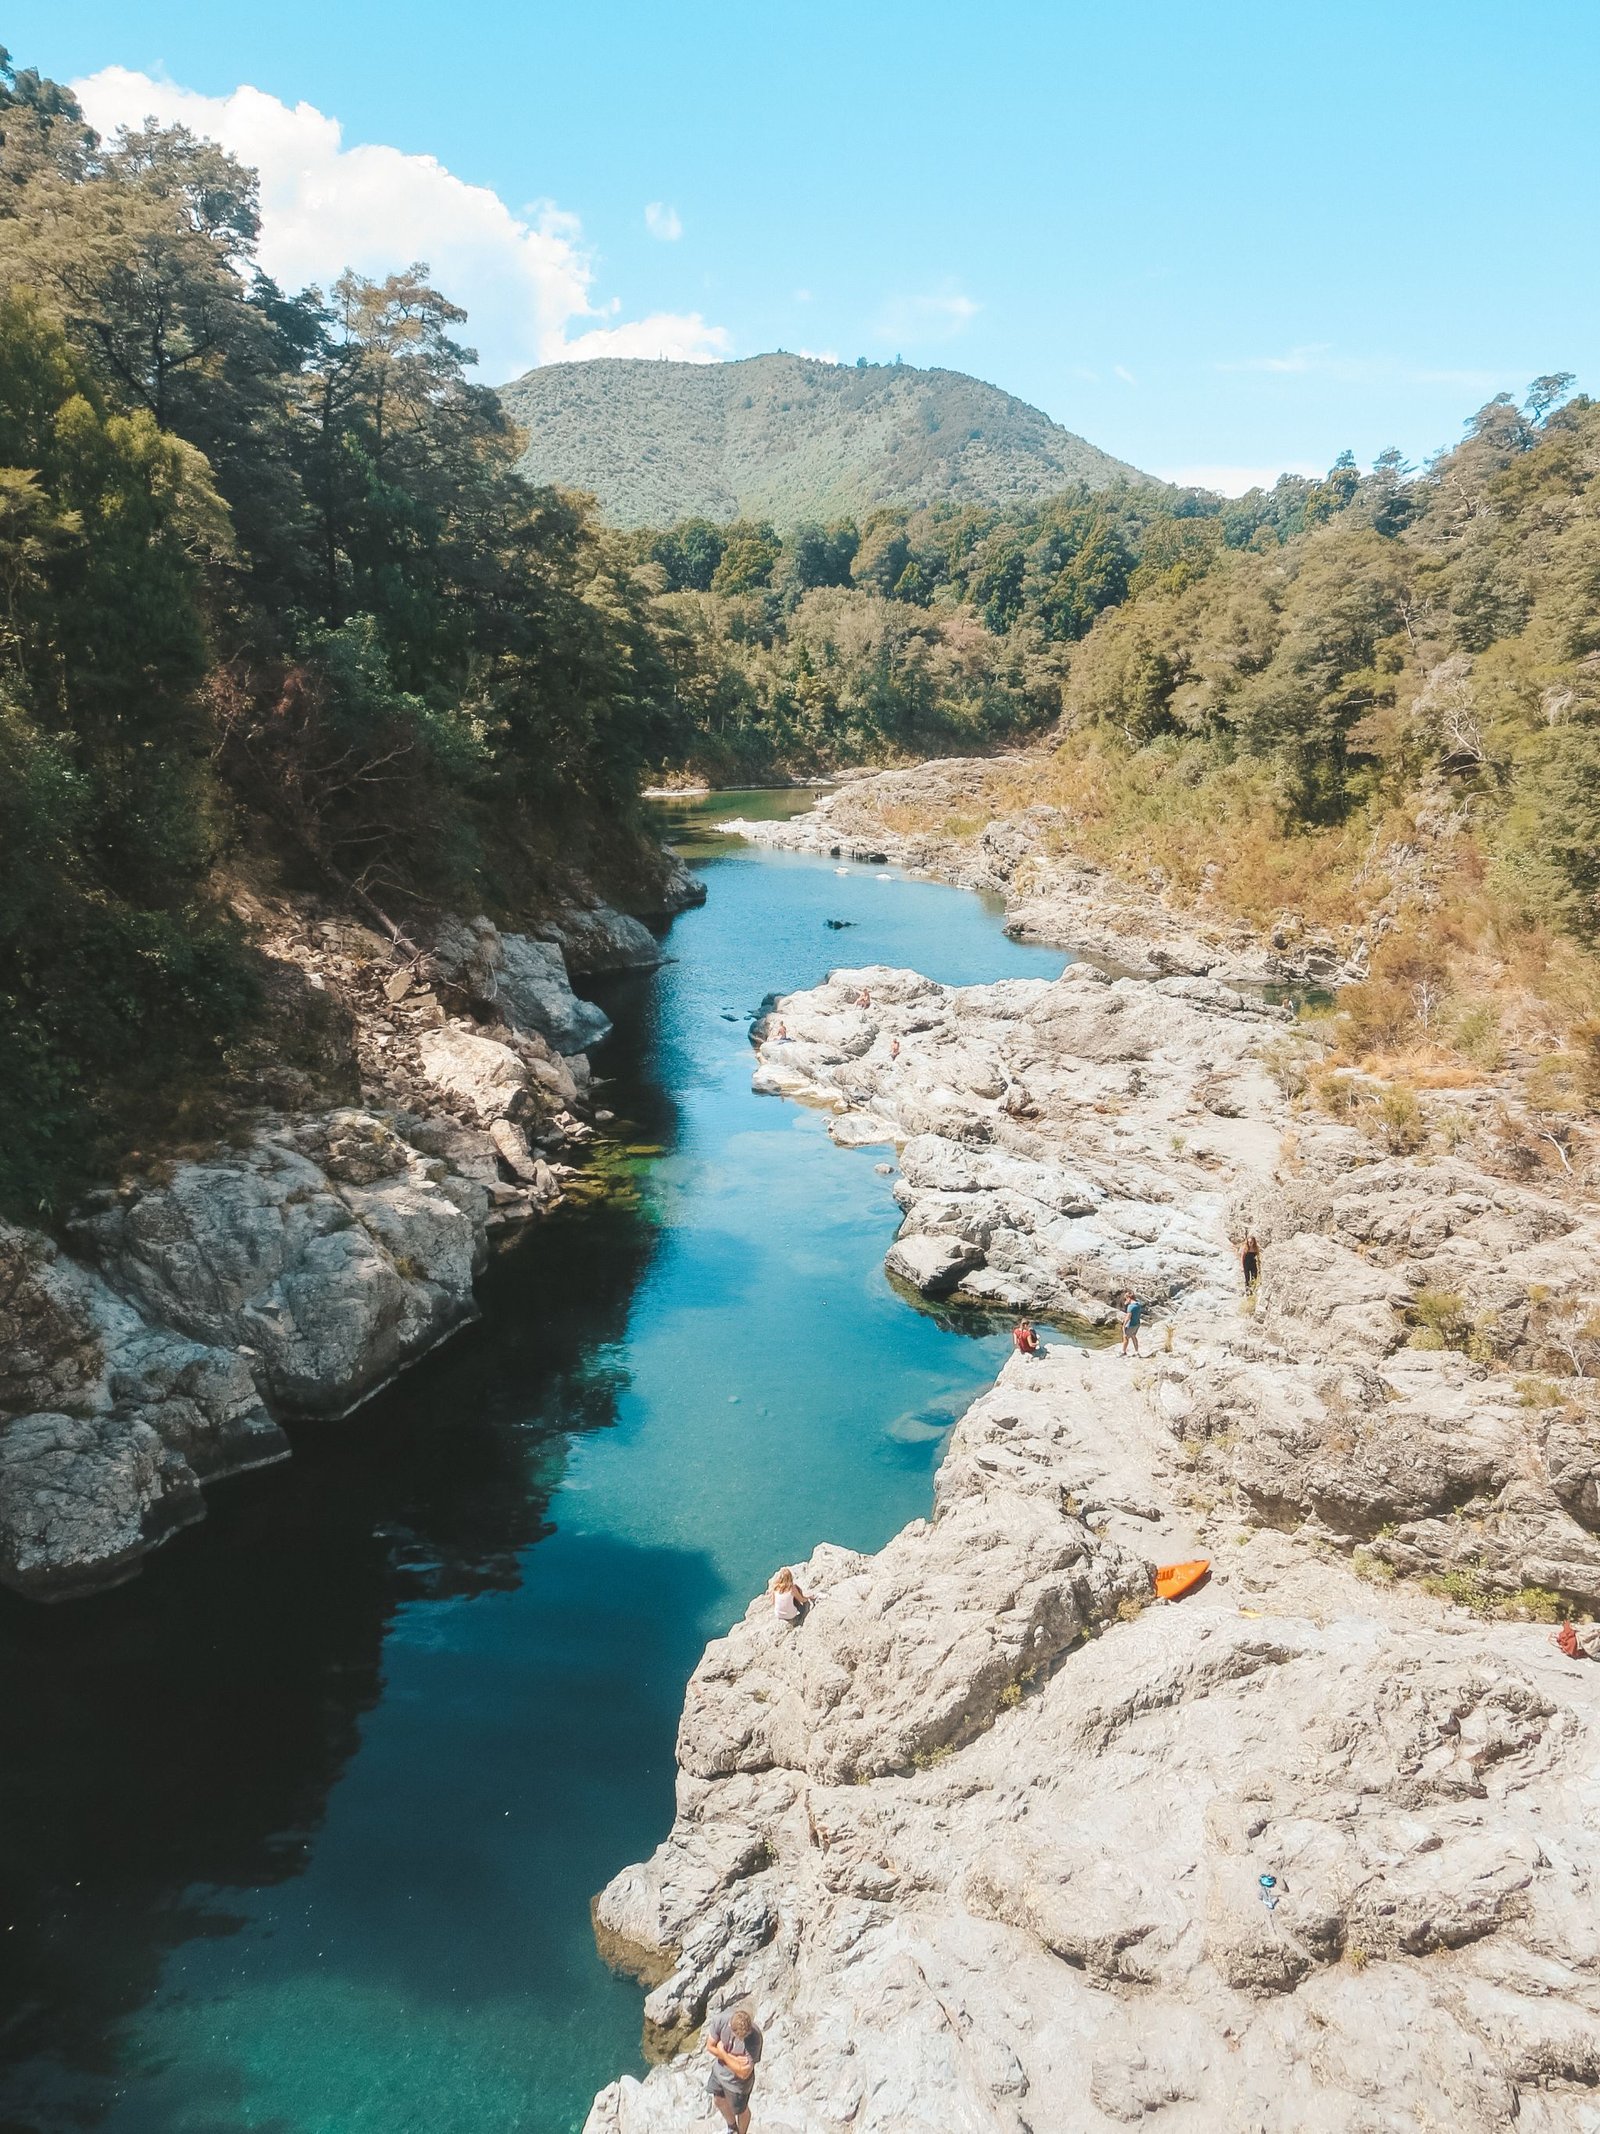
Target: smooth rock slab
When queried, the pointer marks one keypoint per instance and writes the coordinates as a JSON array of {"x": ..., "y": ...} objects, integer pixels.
[{"x": 933, "y": 1265}]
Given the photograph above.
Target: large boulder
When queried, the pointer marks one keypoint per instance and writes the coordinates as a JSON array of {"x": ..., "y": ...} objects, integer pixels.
[
  {"x": 108, "y": 1424},
  {"x": 596, "y": 940},
  {"x": 537, "y": 995},
  {"x": 934, "y": 1265},
  {"x": 676, "y": 888},
  {"x": 331, "y": 1286},
  {"x": 481, "y": 1077},
  {"x": 84, "y": 1498},
  {"x": 519, "y": 978}
]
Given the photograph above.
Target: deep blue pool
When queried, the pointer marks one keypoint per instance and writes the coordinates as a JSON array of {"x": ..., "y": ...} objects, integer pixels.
[{"x": 298, "y": 1833}]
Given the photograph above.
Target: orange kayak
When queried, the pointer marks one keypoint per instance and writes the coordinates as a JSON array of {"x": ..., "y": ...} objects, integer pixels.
[{"x": 1173, "y": 1580}]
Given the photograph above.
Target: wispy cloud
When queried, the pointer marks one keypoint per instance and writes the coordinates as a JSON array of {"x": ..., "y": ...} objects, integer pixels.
[
  {"x": 1121, "y": 370},
  {"x": 1321, "y": 360},
  {"x": 1231, "y": 481},
  {"x": 525, "y": 278},
  {"x": 1313, "y": 356},
  {"x": 935, "y": 315},
  {"x": 663, "y": 222}
]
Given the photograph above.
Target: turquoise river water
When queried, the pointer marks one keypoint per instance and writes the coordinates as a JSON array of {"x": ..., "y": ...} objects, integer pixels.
[{"x": 298, "y": 1832}]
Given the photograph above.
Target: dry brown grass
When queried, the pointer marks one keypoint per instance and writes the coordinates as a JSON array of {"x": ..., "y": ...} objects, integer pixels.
[
  {"x": 1425, "y": 1067},
  {"x": 1462, "y": 990},
  {"x": 1217, "y": 833}
]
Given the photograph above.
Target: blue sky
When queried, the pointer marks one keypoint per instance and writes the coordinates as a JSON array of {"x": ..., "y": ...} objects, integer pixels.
[{"x": 1210, "y": 237}]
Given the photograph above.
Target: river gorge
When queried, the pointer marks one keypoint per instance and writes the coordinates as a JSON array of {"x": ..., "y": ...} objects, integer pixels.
[{"x": 301, "y": 1829}]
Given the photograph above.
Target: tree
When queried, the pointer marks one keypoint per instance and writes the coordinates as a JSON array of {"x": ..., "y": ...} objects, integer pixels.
[
  {"x": 749, "y": 553},
  {"x": 1546, "y": 393}
]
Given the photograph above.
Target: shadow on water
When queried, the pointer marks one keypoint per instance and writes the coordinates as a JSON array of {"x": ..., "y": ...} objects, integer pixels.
[
  {"x": 298, "y": 1831},
  {"x": 176, "y": 1741}
]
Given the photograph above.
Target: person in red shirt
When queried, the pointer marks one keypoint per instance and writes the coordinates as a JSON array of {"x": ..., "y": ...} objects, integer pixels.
[{"x": 1026, "y": 1339}]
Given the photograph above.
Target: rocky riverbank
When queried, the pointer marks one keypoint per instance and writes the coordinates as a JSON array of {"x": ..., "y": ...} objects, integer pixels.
[
  {"x": 1050, "y": 894},
  {"x": 984, "y": 1838},
  {"x": 207, "y": 1298}
]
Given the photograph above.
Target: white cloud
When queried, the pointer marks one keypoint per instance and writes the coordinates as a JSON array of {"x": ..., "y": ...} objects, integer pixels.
[
  {"x": 1231, "y": 481},
  {"x": 937, "y": 316},
  {"x": 663, "y": 222},
  {"x": 1121, "y": 370},
  {"x": 526, "y": 279},
  {"x": 682, "y": 335}
]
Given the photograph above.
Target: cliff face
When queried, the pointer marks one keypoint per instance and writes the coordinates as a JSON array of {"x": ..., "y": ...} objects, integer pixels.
[
  {"x": 993, "y": 1840},
  {"x": 199, "y": 1303}
]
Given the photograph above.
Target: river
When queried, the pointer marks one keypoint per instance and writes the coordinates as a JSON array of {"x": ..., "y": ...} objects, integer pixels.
[{"x": 298, "y": 1832}]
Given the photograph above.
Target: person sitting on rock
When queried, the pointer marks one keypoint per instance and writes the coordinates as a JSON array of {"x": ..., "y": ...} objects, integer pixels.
[
  {"x": 734, "y": 2044},
  {"x": 1132, "y": 1313},
  {"x": 789, "y": 1603},
  {"x": 864, "y": 1000},
  {"x": 1026, "y": 1337},
  {"x": 1250, "y": 1261}
]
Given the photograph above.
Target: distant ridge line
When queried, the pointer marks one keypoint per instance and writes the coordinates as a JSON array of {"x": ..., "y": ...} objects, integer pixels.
[{"x": 788, "y": 438}]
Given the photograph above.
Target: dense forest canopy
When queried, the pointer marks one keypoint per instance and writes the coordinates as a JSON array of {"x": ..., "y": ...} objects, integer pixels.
[
  {"x": 275, "y": 594},
  {"x": 789, "y": 438},
  {"x": 269, "y": 575},
  {"x": 1370, "y": 700}
]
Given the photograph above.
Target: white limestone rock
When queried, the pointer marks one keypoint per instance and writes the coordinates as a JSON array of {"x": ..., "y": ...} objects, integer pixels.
[
  {"x": 481, "y": 1077},
  {"x": 935, "y": 1265},
  {"x": 522, "y": 979},
  {"x": 108, "y": 1424},
  {"x": 332, "y": 1286}
]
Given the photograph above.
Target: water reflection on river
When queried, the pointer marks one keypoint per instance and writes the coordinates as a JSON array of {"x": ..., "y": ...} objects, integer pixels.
[{"x": 298, "y": 1832}]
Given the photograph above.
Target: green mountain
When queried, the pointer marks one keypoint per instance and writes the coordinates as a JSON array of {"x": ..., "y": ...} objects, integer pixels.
[{"x": 788, "y": 438}]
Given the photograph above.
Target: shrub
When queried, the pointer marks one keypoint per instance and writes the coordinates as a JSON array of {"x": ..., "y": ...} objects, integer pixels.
[
  {"x": 1442, "y": 1321},
  {"x": 1475, "y": 1031},
  {"x": 1396, "y": 1120},
  {"x": 1285, "y": 1060}
]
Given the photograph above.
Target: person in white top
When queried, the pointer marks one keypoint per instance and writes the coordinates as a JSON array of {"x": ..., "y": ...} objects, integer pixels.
[{"x": 789, "y": 1603}]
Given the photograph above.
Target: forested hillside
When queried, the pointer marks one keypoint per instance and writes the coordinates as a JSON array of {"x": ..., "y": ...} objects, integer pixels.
[
  {"x": 789, "y": 438},
  {"x": 929, "y": 631},
  {"x": 1370, "y": 699},
  {"x": 278, "y": 603},
  {"x": 274, "y": 594}
]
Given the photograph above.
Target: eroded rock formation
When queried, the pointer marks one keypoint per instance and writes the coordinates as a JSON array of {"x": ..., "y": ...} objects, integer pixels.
[{"x": 984, "y": 1839}]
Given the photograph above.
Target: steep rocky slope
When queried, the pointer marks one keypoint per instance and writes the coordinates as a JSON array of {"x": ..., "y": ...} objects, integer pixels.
[
  {"x": 984, "y": 1839},
  {"x": 202, "y": 1301},
  {"x": 788, "y": 438}
]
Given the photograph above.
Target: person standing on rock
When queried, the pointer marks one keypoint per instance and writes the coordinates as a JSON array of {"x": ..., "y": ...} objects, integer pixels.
[
  {"x": 734, "y": 2044},
  {"x": 1250, "y": 1261},
  {"x": 1132, "y": 1313}
]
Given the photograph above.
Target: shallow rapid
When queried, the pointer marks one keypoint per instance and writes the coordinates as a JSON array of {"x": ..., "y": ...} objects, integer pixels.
[{"x": 298, "y": 1833}]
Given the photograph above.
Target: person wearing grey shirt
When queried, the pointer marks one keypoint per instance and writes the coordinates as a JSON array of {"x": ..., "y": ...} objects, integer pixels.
[{"x": 734, "y": 2044}]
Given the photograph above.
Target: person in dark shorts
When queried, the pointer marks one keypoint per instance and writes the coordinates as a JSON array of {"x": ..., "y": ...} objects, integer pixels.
[
  {"x": 1132, "y": 1313},
  {"x": 734, "y": 2044},
  {"x": 1026, "y": 1337},
  {"x": 1250, "y": 1261}
]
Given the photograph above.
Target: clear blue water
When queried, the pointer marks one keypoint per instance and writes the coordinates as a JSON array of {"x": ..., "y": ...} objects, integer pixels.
[{"x": 298, "y": 1832}]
